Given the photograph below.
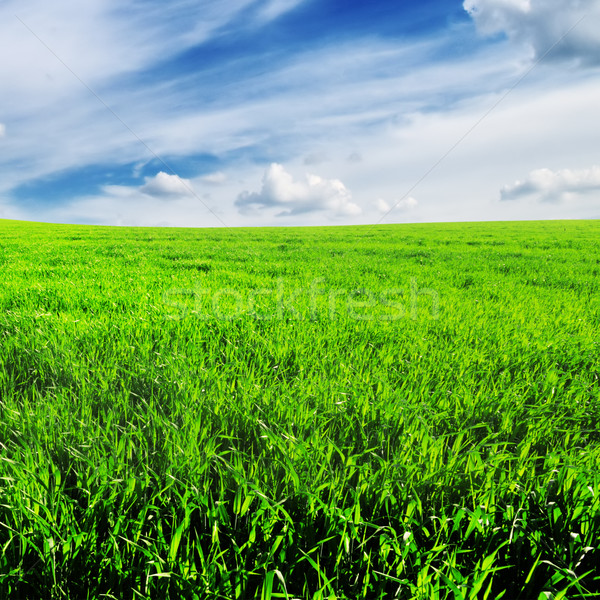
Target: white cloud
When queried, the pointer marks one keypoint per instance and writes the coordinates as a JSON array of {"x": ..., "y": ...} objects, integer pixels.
[
  {"x": 382, "y": 206},
  {"x": 315, "y": 194},
  {"x": 554, "y": 186},
  {"x": 406, "y": 204},
  {"x": 2, "y": 130},
  {"x": 403, "y": 205},
  {"x": 100, "y": 37},
  {"x": 275, "y": 8},
  {"x": 570, "y": 25},
  {"x": 163, "y": 185}
]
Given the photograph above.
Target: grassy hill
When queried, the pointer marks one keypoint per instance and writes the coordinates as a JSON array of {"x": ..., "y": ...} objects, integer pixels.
[{"x": 403, "y": 411}]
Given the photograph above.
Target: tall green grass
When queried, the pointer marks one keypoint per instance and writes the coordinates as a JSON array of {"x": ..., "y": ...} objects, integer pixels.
[{"x": 352, "y": 412}]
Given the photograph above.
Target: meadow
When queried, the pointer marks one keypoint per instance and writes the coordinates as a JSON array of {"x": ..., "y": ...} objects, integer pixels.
[{"x": 398, "y": 411}]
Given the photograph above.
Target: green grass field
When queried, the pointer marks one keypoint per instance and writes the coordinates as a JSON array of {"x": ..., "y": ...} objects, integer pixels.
[{"x": 403, "y": 411}]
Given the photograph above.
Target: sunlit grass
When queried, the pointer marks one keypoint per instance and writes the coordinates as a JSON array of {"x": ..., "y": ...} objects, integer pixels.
[{"x": 377, "y": 412}]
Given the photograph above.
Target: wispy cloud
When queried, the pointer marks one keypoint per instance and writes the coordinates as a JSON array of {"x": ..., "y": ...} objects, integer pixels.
[
  {"x": 216, "y": 178},
  {"x": 272, "y": 9},
  {"x": 358, "y": 86}
]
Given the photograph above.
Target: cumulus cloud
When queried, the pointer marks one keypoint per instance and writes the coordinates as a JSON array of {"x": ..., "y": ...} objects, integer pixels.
[
  {"x": 315, "y": 194},
  {"x": 2, "y": 130},
  {"x": 403, "y": 205},
  {"x": 554, "y": 186},
  {"x": 163, "y": 185},
  {"x": 570, "y": 25},
  {"x": 382, "y": 206}
]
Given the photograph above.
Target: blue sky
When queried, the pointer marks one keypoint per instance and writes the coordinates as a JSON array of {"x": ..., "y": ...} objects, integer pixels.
[{"x": 299, "y": 112}]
